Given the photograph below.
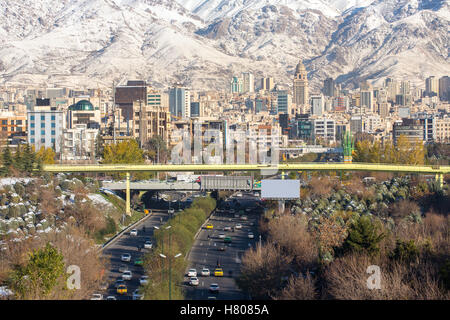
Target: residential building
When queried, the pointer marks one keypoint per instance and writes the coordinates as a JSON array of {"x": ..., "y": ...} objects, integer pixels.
[
  {"x": 45, "y": 129},
  {"x": 410, "y": 128},
  {"x": 325, "y": 128},
  {"x": 79, "y": 142}
]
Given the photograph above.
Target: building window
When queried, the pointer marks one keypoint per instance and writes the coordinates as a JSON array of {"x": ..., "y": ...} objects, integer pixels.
[
  {"x": 42, "y": 124},
  {"x": 53, "y": 140},
  {"x": 4, "y": 128},
  {"x": 32, "y": 118},
  {"x": 42, "y": 132},
  {"x": 53, "y": 132},
  {"x": 43, "y": 140},
  {"x": 53, "y": 118},
  {"x": 19, "y": 122},
  {"x": 4, "y": 122},
  {"x": 53, "y": 125},
  {"x": 32, "y": 140},
  {"x": 32, "y": 132},
  {"x": 42, "y": 118},
  {"x": 32, "y": 125}
]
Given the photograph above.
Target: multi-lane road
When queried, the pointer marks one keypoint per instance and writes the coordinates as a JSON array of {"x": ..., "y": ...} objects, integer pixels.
[
  {"x": 205, "y": 251},
  {"x": 133, "y": 245}
]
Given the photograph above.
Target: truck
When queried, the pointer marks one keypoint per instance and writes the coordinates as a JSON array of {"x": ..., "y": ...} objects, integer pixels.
[{"x": 187, "y": 177}]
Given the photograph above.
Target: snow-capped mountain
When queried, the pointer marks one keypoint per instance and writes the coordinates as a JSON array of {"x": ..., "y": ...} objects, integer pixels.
[{"x": 202, "y": 43}]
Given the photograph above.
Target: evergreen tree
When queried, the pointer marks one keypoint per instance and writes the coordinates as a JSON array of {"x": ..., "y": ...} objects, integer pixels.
[
  {"x": 6, "y": 160},
  {"x": 43, "y": 272},
  {"x": 18, "y": 161},
  {"x": 364, "y": 235},
  {"x": 28, "y": 158}
]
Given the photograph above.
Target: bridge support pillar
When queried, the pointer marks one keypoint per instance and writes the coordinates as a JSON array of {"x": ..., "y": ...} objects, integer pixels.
[
  {"x": 440, "y": 179},
  {"x": 128, "y": 200}
]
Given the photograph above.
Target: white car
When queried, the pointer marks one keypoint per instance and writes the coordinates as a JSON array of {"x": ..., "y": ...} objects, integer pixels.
[
  {"x": 250, "y": 235},
  {"x": 143, "y": 280},
  {"x": 127, "y": 275},
  {"x": 228, "y": 228},
  {"x": 126, "y": 257},
  {"x": 97, "y": 296},
  {"x": 192, "y": 273},
  {"x": 244, "y": 218},
  {"x": 193, "y": 281},
  {"x": 238, "y": 226},
  {"x": 205, "y": 272},
  {"x": 214, "y": 287},
  {"x": 171, "y": 211},
  {"x": 239, "y": 195},
  {"x": 133, "y": 232},
  {"x": 148, "y": 245},
  {"x": 221, "y": 236},
  {"x": 137, "y": 295},
  {"x": 111, "y": 298}
]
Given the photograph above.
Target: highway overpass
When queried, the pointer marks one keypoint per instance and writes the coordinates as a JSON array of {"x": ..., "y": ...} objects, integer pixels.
[{"x": 265, "y": 169}]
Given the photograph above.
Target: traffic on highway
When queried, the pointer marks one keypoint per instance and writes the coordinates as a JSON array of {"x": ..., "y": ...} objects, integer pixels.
[
  {"x": 214, "y": 260},
  {"x": 125, "y": 254}
]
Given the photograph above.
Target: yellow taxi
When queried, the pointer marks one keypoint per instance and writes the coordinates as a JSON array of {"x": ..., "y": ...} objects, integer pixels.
[
  {"x": 218, "y": 272},
  {"x": 122, "y": 289},
  {"x": 209, "y": 226}
]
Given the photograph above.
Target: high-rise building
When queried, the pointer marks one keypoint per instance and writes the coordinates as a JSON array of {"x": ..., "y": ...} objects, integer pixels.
[
  {"x": 248, "y": 82},
  {"x": 267, "y": 84},
  {"x": 180, "y": 103},
  {"x": 195, "y": 109},
  {"x": 317, "y": 104},
  {"x": 367, "y": 100},
  {"x": 393, "y": 88},
  {"x": 329, "y": 87},
  {"x": 432, "y": 86},
  {"x": 301, "y": 96},
  {"x": 444, "y": 88},
  {"x": 236, "y": 85},
  {"x": 405, "y": 87},
  {"x": 124, "y": 97},
  {"x": 283, "y": 102}
]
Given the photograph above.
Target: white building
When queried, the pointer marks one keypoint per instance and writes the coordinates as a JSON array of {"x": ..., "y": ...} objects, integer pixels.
[
  {"x": 325, "y": 128},
  {"x": 45, "y": 128},
  {"x": 248, "y": 82},
  {"x": 79, "y": 142}
]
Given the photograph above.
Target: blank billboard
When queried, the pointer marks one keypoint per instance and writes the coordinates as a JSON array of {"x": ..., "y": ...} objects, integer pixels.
[{"x": 280, "y": 189}]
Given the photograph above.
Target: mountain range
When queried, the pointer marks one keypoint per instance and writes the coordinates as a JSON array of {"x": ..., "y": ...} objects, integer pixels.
[{"x": 203, "y": 43}]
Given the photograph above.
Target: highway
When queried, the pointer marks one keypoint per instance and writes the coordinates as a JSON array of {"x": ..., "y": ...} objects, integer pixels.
[
  {"x": 127, "y": 243},
  {"x": 205, "y": 251}
]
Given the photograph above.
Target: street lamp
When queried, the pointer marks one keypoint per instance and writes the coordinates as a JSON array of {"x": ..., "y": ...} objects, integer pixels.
[{"x": 170, "y": 270}]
